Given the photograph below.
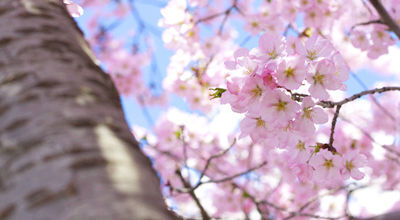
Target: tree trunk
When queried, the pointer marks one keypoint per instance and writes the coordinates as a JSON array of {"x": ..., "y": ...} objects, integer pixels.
[{"x": 66, "y": 151}]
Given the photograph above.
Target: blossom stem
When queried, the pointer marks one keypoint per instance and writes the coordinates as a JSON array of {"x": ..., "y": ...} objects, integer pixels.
[{"x": 334, "y": 120}]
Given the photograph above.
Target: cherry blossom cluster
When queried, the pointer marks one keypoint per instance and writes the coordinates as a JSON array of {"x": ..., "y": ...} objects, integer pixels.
[
  {"x": 185, "y": 143},
  {"x": 389, "y": 119},
  {"x": 273, "y": 16},
  {"x": 196, "y": 64},
  {"x": 197, "y": 60},
  {"x": 372, "y": 34},
  {"x": 191, "y": 76},
  {"x": 375, "y": 42},
  {"x": 263, "y": 83},
  {"x": 386, "y": 165}
]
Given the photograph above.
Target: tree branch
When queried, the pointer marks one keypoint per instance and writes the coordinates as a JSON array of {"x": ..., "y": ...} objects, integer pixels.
[
  {"x": 225, "y": 13},
  {"x": 315, "y": 198},
  {"x": 203, "y": 172},
  {"x": 330, "y": 104},
  {"x": 376, "y": 21},
  {"x": 362, "y": 84},
  {"x": 387, "y": 19},
  {"x": 236, "y": 175},
  {"x": 334, "y": 120},
  {"x": 186, "y": 184}
]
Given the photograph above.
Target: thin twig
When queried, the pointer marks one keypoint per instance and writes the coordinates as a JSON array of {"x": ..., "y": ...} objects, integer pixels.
[
  {"x": 186, "y": 184},
  {"x": 376, "y": 21},
  {"x": 291, "y": 213},
  {"x": 366, "y": 6},
  {"x": 193, "y": 188},
  {"x": 210, "y": 17},
  {"x": 169, "y": 154},
  {"x": 142, "y": 25},
  {"x": 396, "y": 160},
  {"x": 245, "y": 40},
  {"x": 334, "y": 120},
  {"x": 294, "y": 213},
  {"x": 330, "y": 104},
  {"x": 225, "y": 13},
  {"x": 349, "y": 99},
  {"x": 392, "y": 150},
  {"x": 236, "y": 175},
  {"x": 315, "y": 198},
  {"x": 359, "y": 81},
  {"x": 145, "y": 111},
  {"x": 203, "y": 172},
  {"x": 185, "y": 156},
  {"x": 285, "y": 33},
  {"x": 269, "y": 194},
  {"x": 368, "y": 135},
  {"x": 253, "y": 199},
  {"x": 348, "y": 196},
  {"x": 221, "y": 26}
]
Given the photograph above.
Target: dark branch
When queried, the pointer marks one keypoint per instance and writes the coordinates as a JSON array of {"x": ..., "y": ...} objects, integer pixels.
[
  {"x": 362, "y": 84},
  {"x": 377, "y": 21},
  {"x": 334, "y": 120},
  {"x": 387, "y": 19},
  {"x": 330, "y": 104},
  {"x": 225, "y": 13},
  {"x": 236, "y": 175},
  {"x": 203, "y": 172},
  {"x": 186, "y": 184}
]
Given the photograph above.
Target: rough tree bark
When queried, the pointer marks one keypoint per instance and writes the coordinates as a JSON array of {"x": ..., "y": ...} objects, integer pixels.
[{"x": 66, "y": 151}]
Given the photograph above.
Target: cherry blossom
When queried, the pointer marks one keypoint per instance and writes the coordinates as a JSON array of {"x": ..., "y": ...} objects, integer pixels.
[
  {"x": 352, "y": 161},
  {"x": 327, "y": 166}
]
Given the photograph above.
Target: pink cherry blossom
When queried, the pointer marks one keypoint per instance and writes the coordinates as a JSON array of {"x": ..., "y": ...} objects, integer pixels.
[
  {"x": 291, "y": 72},
  {"x": 279, "y": 107},
  {"x": 359, "y": 39},
  {"x": 315, "y": 48},
  {"x": 303, "y": 171},
  {"x": 254, "y": 24},
  {"x": 253, "y": 91},
  {"x": 270, "y": 46},
  {"x": 254, "y": 126},
  {"x": 323, "y": 78},
  {"x": 310, "y": 115},
  {"x": 327, "y": 166},
  {"x": 352, "y": 161}
]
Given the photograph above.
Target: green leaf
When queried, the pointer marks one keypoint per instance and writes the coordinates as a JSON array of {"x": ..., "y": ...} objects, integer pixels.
[
  {"x": 245, "y": 195},
  {"x": 217, "y": 92},
  {"x": 317, "y": 147},
  {"x": 178, "y": 134}
]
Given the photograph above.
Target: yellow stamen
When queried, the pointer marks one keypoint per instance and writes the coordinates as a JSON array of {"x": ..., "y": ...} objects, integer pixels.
[
  {"x": 328, "y": 164},
  {"x": 281, "y": 105}
]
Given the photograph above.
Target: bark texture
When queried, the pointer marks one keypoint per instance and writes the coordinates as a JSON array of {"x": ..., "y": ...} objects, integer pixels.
[{"x": 66, "y": 151}]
